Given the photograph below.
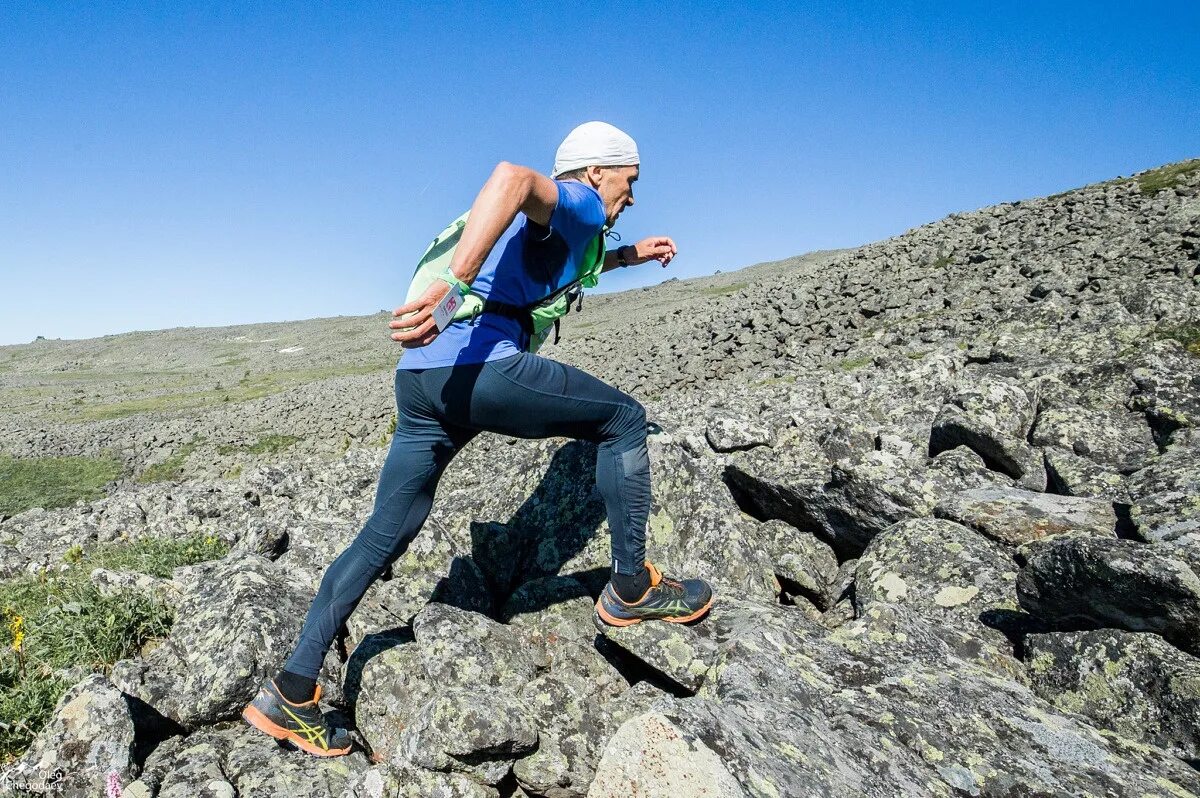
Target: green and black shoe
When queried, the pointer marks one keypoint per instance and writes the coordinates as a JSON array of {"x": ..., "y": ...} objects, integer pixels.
[
  {"x": 665, "y": 600},
  {"x": 299, "y": 724}
]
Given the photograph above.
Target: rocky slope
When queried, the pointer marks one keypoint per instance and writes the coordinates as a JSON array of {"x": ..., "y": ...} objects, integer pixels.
[{"x": 946, "y": 485}]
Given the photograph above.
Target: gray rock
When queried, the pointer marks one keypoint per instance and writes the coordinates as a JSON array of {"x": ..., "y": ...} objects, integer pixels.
[
  {"x": 1166, "y": 493},
  {"x": 942, "y": 571},
  {"x": 804, "y": 565},
  {"x": 1117, "y": 583},
  {"x": 681, "y": 653},
  {"x": 576, "y": 716},
  {"x": 1113, "y": 438},
  {"x": 235, "y": 624},
  {"x": 1132, "y": 683},
  {"x": 1168, "y": 387},
  {"x": 727, "y": 433},
  {"x": 89, "y": 737},
  {"x": 479, "y": 732},
  {"x": 993, "y": 419},
  {"x": 464, "y": 648},
  {"x": 1013, "y": 517},
  {"x": 653, "y": 757},
  {"x": 388, "y": 781},
  {"x": 237, "y": 760},
  {"x": 1071, "y": 475}
]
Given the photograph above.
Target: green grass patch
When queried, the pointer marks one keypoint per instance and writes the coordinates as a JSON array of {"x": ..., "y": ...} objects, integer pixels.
[
  {"x": 246, "y": 389},
  {"x": 723, "y": 290},
  {"x": 269, "y": 444},
  {"x": 854, "y": 363},
  {"x": 53, "y": 481},
  {"x": 1166, "y": 177},
  {"x": 1186, "y": 334},
  {"x": 60, "y": 620},
  {"x": 169, "y": 469},
  {"x": 942, "y": 262},
  {"x": 773, "y": 381}
]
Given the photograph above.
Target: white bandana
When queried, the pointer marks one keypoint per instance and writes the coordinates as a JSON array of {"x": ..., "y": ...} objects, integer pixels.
[{"x": 595, "y": 144}]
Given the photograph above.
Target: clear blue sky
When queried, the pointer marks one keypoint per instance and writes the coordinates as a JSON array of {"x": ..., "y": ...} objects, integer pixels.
[{"x": 178, "y": 164}]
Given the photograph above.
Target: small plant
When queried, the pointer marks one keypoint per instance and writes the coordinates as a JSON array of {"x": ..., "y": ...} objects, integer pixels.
[
  {"x": 53, "y": 481},
  {"x": 391, "y": 430}
]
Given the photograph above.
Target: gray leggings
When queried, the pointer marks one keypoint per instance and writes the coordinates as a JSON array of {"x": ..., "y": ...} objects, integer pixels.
[{"x": 438, "y": 411}]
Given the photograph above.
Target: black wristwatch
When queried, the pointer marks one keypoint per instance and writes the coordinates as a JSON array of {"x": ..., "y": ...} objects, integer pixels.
[{"x": 621, "y": 261}]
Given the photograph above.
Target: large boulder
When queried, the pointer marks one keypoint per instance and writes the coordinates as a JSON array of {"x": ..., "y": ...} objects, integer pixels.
[
  {"x": 653, "y": 757},
  {"x": 1090, "y": 582},
  {"x": 1069, "y": 474},
  {"x": 235, "y": 623},
  {"x": 1111, "y": 437},
  {"x": 391, "y": 781},
  {"x": 479, "y": 732},
  {"x": 993, "y": 417},
  {"x": 942, "y": 571},
  {"x": 1012, "y": 516},
  {"x": 682, "y": 654},
  {"x": 235, "y": 759},
  {"x": 453, "y": 650},
  {"x": 1133, "y": 683},
  {"x": 1166, "y": 493},
  {"x": 576, "y": 717},
  {"x": 893, "y": 704},
  {"x": 1168, "y": 387}
]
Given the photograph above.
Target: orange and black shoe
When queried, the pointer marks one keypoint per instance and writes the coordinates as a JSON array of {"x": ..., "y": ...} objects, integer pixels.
[
  {"x": 302, "y": 725},
  {"x": 665, "y": 600}
]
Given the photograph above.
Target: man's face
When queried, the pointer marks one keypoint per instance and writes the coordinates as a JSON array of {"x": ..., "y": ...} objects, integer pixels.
[{"x": 616, "y": 189}]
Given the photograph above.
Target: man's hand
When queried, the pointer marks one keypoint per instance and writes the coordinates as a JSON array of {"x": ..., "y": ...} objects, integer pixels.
[
  {"x": 419, "y": 329},
  {"x": 659, "y": 248}
]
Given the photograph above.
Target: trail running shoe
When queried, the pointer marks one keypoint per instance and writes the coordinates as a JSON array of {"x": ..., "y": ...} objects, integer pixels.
[
  {"x": 665, "y": 600},
  {"x": 299, "y": 724}
]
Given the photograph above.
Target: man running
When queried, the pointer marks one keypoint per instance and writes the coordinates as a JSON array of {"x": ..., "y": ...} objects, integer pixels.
[{"x": 478, "y": 375}]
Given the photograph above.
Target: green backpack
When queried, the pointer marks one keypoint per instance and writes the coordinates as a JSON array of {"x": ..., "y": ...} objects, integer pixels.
[{"x": 537, "y": 318}]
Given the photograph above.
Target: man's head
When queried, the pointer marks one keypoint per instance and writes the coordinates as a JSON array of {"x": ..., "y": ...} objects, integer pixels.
[{"x": 600, "y": 155}]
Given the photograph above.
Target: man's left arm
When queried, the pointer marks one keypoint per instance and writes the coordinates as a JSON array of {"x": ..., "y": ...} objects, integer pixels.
[{"x": 659, "y": 248}]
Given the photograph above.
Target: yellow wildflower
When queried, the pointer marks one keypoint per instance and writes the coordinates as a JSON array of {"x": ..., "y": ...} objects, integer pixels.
[{"x": 15, "y": 625}]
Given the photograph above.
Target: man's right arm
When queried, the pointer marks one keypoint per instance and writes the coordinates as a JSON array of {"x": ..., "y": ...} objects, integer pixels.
[{"x": 510, "y": 190}]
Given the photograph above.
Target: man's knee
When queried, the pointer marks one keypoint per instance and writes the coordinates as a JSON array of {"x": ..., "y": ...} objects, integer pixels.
[{"x": 630, "y": 422}]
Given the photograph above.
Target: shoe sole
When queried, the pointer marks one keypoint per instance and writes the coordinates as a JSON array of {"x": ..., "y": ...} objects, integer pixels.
[
  {"x": 612, "y": 620},
  {"x": 258, "y": 720}
]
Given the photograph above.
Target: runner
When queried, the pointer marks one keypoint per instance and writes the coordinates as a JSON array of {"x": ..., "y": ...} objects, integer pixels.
[{"x": 527, "y": 237}]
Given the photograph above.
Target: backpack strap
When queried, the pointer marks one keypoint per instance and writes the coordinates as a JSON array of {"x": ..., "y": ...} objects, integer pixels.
[
  {"x": 518, "y": 312},
  {"x": 523, "y": 314}
]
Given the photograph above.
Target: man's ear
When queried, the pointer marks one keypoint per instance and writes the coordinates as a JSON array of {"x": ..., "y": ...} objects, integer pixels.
[{"x": 593, "y": 174}]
